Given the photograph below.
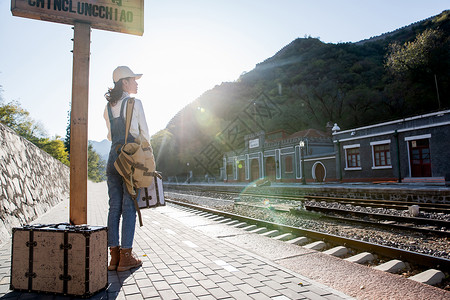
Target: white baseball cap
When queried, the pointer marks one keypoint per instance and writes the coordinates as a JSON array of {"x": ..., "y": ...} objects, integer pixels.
[{"x": 124, "y": 72}]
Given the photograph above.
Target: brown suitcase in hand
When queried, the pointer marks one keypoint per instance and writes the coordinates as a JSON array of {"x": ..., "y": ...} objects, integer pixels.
[{"x": 59, "y": 259}]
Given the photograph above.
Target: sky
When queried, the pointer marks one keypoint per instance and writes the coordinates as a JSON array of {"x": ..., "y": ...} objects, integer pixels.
[{"x": 188, "y": 47}]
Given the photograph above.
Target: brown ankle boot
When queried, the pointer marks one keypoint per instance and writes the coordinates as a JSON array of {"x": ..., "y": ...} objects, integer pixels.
[
  {"x": 127, "y": 260},
  {"x": 115, "y": 256}
]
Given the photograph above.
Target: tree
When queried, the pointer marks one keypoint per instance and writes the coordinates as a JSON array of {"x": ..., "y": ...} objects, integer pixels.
[
  {"x": 67, "y": 138},
  {"x": 419, "y": 65},
  {"x": 96, "y": 165},
  {"x": 54, "y": 147},
  {"x": 17, "y": 118},
  {"x": 417, "y": 56}
]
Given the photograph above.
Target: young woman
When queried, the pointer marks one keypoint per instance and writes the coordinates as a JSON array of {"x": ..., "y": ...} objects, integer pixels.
[{"x": 120, "y": 201}]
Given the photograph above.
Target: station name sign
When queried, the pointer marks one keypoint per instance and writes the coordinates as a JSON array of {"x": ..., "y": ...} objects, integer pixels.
[{"x": 126, "y": 16}]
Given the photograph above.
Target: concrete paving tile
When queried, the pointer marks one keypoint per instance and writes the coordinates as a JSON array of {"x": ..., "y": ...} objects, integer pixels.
[
  {"x": 279, "y": 279},
  {"x": 290, "y": 294},
  {"x": 254, "y": 282},
  {"x": 242, "y": 275},
  {"x": 265, "y": 272},
  {"x": 143, "y": 283},
  {"x": 198, "y": 291},
  {"x": 140, "y": 274},
  {"x": 148, "y": 292},
  {"x": 190, "y": 269},
  {"x": 181, "y": 274},
  {"x": 156, "y": 277},
  {"x": 235, "y": 280},
  {"x": 206, "y": 271},
  {"x": 198, "y": 265},
  {"x": 267, "y": 290},
  {"x": 134, "y": 297},
  {"x": 273, "y": 284},
  {"x": 246, "y": 288},
  {"x": 207, "y": 297},
  {"x": 160, "y": 266},
  {"x": 187, "y": 296},
  {"x": 227, "y": 287},
  {"x": 152, "y": 298},
  {"x": 216, "y": 278},
  {"x": 175, "y": 268},
  {"x": 312, "y": 296},
  {"x": 190, "y": 282},
  {"x": 171, "y": 279},
  {"x": 207, "y": 284},
  {"x": 240, "y": 295},
  {"x": 259, "y": 296},
  {"x": 165, "y": 272},
  {"x": 198, "y": 276},
  {"x": 219, "y": 293},
  {"x": 161, "y": 285},
  {"x": 130, "y": 289},
  {"x": 180, "y": 288},
  {"x": 168, "y": 295}
]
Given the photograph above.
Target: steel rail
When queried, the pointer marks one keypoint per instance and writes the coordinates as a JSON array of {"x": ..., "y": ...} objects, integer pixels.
[
  {"x": 387, "y": 225},
  {"x": 414, "y": 220},
  {"x": 390, "y": 252}
]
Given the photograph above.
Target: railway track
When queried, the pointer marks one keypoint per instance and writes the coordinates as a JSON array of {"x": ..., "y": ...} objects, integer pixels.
[
  {"x": 407, "y": 223},
  {"x": 295, "y": 233},
  {"x": 424, "y": 225},
  {"x": 388, "y": 204}
]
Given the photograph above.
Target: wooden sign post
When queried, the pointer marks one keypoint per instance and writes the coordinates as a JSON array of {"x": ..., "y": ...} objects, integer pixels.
[
  {"x": 112, "y": 15},
  {"x": 79, "y": 124}
]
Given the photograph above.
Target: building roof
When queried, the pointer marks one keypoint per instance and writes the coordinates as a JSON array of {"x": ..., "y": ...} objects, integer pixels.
[{"x": 311, "y": 132}]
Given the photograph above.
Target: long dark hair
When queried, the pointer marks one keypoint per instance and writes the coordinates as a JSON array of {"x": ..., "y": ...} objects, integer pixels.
[{"x": 114, "y": 94}]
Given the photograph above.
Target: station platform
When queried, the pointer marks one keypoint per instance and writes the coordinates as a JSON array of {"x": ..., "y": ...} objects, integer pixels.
[
  {"x": 180, "y": 262},
  {"x": 188, "y": 255}
]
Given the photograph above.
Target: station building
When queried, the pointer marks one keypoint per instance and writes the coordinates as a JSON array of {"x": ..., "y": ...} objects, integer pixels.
[
  {"x": 415, "y": 149},
  {"x": 280, "y": 157}
]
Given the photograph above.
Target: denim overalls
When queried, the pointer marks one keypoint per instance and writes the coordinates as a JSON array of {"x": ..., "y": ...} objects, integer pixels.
[{"x": 120, "y": 201}]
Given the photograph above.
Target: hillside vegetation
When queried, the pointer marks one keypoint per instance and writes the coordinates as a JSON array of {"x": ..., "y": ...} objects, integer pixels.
[{"x": 307, "y": 84}]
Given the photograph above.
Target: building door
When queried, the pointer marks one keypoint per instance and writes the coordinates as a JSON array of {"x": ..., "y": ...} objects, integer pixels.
[
  {"x": 254, "y": 170},
  {"x": 419, "y": 151},
  {"x": 270, "y": 168},
  {"x": 319, "y": 172},
  {"x": 230, "y": 175}
]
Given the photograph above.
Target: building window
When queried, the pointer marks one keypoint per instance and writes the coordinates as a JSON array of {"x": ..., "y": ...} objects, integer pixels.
[
  {"x": 382, "y": 155},
  {"x": 353, "y": 158},
  {"x": 288, "y": 164}
]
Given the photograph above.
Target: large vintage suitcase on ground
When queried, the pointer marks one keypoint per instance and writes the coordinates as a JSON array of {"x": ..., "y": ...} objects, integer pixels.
[
  {"x": 59, "y": 259},
  {"x": 153, "y": 195}
]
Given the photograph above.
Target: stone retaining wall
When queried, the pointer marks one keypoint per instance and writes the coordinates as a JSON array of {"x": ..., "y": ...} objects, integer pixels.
[{"x": 31, "y": 182}]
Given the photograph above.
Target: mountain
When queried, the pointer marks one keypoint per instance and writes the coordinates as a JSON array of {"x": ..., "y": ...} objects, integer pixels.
[
  {"x": 307, "y": 84},
  {"x": 102, "y": 148}
]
